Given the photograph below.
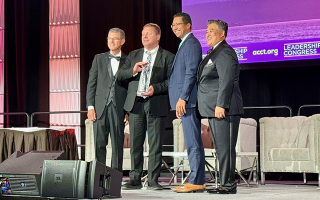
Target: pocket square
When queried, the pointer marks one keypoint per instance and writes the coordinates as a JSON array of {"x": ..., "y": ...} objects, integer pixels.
[{"x": 209, "y": 63}]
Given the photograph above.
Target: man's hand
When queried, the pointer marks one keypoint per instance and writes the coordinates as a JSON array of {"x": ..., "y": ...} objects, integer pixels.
[
  {"x": 150, "y": 91},
  {"x": 180, "y": 108},
  {"x": 91, "y": 115},
  {"x": 138, "y": 67},
  {"x": 219, "y": 112}
]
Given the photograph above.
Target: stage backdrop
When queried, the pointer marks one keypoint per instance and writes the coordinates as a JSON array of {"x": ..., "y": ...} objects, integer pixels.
[
  {"x": 27, "y": 55},
  {"x": 26, "y": 60}
]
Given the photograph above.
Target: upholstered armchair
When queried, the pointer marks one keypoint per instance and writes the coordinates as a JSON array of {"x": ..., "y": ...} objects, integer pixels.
[
  {"x": 90, "y": 153},
  {"x": 290, "y": 144}
]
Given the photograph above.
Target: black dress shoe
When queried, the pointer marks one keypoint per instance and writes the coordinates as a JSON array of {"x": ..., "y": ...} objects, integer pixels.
[
  {"x": 223, "y": 190},
  {"x": 230, "y": 190},
  {"x": 132, "y": 185},
  {"x": 213, "y": 190},
  {"x": 155, "y": 186}
]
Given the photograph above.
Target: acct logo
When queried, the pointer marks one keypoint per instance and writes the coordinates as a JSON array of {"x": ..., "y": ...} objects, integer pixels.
[{"x": 266, "y": 52}]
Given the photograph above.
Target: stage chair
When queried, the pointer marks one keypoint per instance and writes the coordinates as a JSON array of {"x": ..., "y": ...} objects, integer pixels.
[
  {"x": 290, "y": 144},
  {"x": 246, "y": 143},
  {"x": 90, "y": 153}
]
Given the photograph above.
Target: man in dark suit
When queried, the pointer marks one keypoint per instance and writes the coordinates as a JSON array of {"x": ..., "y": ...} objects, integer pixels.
[
  {"x": 183, "y": 97},
  {"x": 148, "y": 104},
  {"x": 105, "y": 99},
  {"x": 220, "y": 100}
]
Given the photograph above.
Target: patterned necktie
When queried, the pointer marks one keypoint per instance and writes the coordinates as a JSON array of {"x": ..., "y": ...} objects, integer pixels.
[
  {"x": 146, "y": 71},
  {"x": 115, "y": 57}
]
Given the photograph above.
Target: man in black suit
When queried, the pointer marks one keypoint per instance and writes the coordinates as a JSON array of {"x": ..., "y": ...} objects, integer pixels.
[
  {"x": 148, "y": 103},
  {"x": 105, "y": 99},
  {"x": 220, "y": 100}
]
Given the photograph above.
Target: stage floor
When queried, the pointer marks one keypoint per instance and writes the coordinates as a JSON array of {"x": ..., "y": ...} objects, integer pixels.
[
  {"x": 279, "y": 190},
  {"x": 273, "y": 190}
]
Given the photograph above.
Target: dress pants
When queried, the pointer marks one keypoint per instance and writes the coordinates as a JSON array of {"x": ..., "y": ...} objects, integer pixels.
[
  {"x": 109, "y": 122},
  {"x": 224, "y": 133},
  {"x": 192, "y": 137},
  {"x": 143, "y": 121}
]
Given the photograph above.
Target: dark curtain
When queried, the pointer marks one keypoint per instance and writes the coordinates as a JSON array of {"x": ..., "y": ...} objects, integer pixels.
[
  {"x": 27, "y": 60},
  {"x": 282, "y": 86}
]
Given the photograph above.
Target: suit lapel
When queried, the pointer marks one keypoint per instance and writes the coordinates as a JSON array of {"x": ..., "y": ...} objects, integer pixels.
[
  {"x": 109, "y": 68},
  {"x": 174, "y": 60},
  {"x": 139, "y": 58},
  {"x": 156, "y": 61},
  {"x": 122, "y": 61},
  {"x": 212, "y": 55}
]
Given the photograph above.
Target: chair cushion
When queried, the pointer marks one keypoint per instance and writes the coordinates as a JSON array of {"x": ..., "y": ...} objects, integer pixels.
[
  {"x": 206, "y": 136},
  {"x": 126, "y": 142},
  {"x": 289, "y": 154}
]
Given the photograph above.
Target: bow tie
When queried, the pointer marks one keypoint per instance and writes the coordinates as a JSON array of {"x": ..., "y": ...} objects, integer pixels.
[
  {"x": 209, "y": 51},
  {"x": 115, "y": 57}
]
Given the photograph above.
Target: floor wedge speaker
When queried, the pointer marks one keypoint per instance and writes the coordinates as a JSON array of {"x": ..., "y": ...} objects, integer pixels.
[
  {"x": 20, "y": 173},
  {"x": 64, "y": 178},
  {"x": 103, "y": 181}
]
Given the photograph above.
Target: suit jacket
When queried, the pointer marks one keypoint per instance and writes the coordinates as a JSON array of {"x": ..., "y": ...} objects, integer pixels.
[
  {"x": 159, "y": 102},
  {"x": 218, "y": 82},
  {"x": 184, "y": 73},
  {"x": 99, "y": 85}
]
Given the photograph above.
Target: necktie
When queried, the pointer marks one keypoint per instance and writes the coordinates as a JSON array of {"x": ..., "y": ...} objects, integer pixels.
[
  {"x": 146, "y": 71},
  {"x": 115, "y": 57},
  {"x": 148, "y": 60},
  {"x": 180, "y": 45},
  {"x": 209, "y": 51}
]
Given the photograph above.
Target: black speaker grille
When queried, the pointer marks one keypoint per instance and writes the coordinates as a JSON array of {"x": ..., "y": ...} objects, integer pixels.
[{"x": 21, "y": 184}]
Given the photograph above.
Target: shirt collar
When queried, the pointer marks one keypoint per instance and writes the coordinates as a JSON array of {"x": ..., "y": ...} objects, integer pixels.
[
  {"x": 216, "y": 45},
  {"x": 185, "y": 37},
  {"x": 119, "y": 54},
  {"x": 152, "y": 51}
]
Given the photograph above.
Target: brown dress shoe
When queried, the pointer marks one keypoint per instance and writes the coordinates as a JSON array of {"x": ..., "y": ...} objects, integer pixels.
[{"x": 189, "y": 188}]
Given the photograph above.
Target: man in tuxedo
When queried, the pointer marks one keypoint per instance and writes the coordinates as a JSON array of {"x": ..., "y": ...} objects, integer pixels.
[
  {"x": 220, "y": 100},
  {"x": 105, "y": 99},
  {"x": 183, "y": 97},
  {"x": 147, "y": 69}
]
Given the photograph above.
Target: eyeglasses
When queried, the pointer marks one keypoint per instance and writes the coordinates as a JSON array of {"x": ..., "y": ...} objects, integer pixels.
[
  {"x": 114, "y": 39},
  {"x": 176, "y": 24}
]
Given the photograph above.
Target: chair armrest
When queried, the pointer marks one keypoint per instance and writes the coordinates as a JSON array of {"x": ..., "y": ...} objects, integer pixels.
[{"x": 178, "y": 138}]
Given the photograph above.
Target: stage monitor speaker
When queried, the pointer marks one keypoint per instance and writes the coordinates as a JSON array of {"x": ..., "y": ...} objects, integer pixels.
[
  {"x": 65, "y": 178},
  {"x": 20, "y": 173},
  {"x": 103, "y": 181}
]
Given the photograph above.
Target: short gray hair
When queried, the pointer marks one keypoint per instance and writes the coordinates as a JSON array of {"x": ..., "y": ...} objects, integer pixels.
[
  {"x": 118, "y": 30},
  {"x": 222, "y": 26}
]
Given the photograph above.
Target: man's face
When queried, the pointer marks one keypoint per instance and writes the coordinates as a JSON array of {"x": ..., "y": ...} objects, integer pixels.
[
  {"x": 179, "y": 28},
  {"x": 114, "y": 41},
  {"x": 150, "y": 39},
  {"x": 213, "y": 35}
]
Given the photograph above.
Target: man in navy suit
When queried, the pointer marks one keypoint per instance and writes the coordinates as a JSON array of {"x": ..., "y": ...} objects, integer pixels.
[{"x": 183, "y": 97}]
